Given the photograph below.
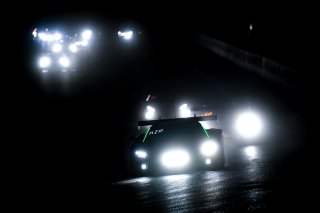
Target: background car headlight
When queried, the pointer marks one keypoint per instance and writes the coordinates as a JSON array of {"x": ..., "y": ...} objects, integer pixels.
[
  {"x": 185, "y": 111},
  {"x": 45, "y": 36},
  {"x": 86, "y": 35},
  {"x": 44, "y": 62},
  {"x": 64, "y": 61},
  {"x": 126, "y": 35},
  {"x": 73, "y": 48},
  {"x": 175, "y": 159},
  {"x": 56, "y": 48},
  {"x": 141, "y": 154},
  {"x": 209, "y": 148},
  {"x": 61, "y": 48},
  {"x": 249, "y": 125},
  {"x": 150, "y": 113},
  {"x": 57, "y": 36}
]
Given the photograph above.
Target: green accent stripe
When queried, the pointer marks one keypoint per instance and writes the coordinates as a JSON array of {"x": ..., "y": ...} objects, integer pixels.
[
  {"x": 145, "y": 136},
  {"x": 205, "y": 131}
]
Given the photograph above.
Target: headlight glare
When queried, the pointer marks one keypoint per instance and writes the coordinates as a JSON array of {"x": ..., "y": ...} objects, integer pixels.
[
  {"x": 249, "y": 125},
  {"x": 209, "y": 148},
  {"x": 56, "y": 48},
  {"x": 141, "y": 154},
  {"x": 44, "y": 62},
  {"x": 73, "y": 48},
  {"x": 174, "y": 159},
  {"x": 150, "y": 113},
  {"x": 64, "y": 61}
]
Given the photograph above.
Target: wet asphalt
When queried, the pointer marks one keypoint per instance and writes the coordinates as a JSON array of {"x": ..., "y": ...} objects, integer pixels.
[{"x": 257, "y": 177}]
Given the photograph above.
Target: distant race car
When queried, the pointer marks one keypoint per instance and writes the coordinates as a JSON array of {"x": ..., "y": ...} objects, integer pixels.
[{"x": 176, "y": 146}]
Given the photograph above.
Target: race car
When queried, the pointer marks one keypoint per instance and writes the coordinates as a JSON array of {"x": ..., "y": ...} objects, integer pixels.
[
  {"x": 178, "y": 145},
  {"x": 61, "y": 52},
  {"x": 54, "y": 62}
]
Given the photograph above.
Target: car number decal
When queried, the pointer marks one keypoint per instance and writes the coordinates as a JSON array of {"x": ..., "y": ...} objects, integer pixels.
[{"x": 156, "y": 131}]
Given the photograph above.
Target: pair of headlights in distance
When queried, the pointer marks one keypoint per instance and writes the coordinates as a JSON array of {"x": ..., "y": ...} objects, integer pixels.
[
  {"x": 185, "y": 112},
  {"x": 56, "y": 48},
  {"x": 45, "y": 62}
]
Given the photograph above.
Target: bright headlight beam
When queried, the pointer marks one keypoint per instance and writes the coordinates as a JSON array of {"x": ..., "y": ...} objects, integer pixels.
[
  {"x": 249, "y": 125},
  {"x": 42, "y": 36},
  {"x": 86, "y": 35},
  {"x": 143, "y": 166},
  {"x": 57, "y": 36},
  {"x": 126, "y": 35},
  {"x": 209, "y": 148},
  {"x": 150, "y": 113},
  {"x": 141, "y": 154},
  {"x": 44, "y": 62},
  {"x": 174, "y": 159},
  {"x": 49, "y": 37},
  {"x": 56, "y": 47},
  {"x": 73, "y": 48},
  {"x": 45, "y": 36},
  {"x": 185, "y": 111},
  {"x": 64, "y": 61}
]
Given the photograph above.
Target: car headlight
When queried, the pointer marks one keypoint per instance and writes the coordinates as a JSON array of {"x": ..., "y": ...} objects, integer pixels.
[
  {"x": 175, "y": 159},
  {"x": 57, "y": 48},
  {"x": 73, "y": 48},
  {"x": 44, "y": 62},
  {"x": 57, "y": 36},
  {"x": 126, "y": 35},
  {"x": 86, "y": 35},
  {"x": 249, "y": 125},
  {"x": 141, "y": 154},
  {"x": 209, "y": 148},
  {"x": 150, "y": 113},
  {"x": 185, "y": 111},
  {"x": 64, "y": 61}
]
